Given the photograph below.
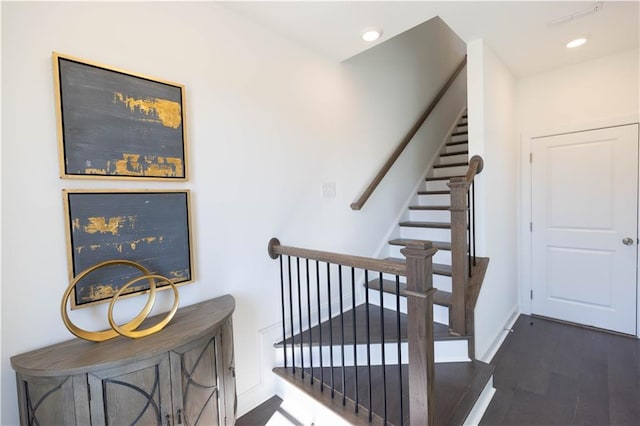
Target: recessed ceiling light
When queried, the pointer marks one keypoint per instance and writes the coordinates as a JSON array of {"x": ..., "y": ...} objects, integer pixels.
[
  {"x": 371, "y": 34},
  {"x": 577, "y": 42}
]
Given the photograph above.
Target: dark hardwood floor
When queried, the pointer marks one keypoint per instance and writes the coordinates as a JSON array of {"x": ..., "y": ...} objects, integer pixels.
[
  {"x": 266, "y": 411},
  {"x": 550, "y": 373}
]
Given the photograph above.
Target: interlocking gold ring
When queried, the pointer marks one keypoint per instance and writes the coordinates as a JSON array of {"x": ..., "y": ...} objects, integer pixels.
[
  {"x": 133, "y": 333},
  {"x": 99, "y": 336}
]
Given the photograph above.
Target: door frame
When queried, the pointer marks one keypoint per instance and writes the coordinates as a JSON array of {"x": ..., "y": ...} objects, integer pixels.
[{"x": 524, "y": 207}]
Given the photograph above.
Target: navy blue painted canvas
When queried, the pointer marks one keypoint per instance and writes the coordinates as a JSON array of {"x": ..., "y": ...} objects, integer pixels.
[
  {"x": 151, "y": 228},
  {"x": 115, "y": 124}
]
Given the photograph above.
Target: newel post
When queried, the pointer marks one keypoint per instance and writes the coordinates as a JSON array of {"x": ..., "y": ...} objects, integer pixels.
[
  {"x": 420, "y": 331},
  {"x": 459, "y": 262}
]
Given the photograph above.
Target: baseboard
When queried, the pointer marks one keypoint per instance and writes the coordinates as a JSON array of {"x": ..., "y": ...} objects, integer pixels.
[{"x": 493, "y": 348}]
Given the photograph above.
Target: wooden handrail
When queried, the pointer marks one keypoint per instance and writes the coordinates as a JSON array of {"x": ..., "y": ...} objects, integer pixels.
[
  {"x": 357, "y": 205},
  {"x": 371, "y": 264},
  {"x": 476, "y": 164}
]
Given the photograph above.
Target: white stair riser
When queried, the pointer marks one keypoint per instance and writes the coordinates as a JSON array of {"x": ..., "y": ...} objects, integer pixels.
[
  {"x": 430, "y": 215},
  {"x": 429, "y": 234},
  {"x": 450, "y": 171},
  {"x": 458, "y": 138},
  {"x": 303, "y": 408},
  {"x": 440, "y": 313},
  {"x": 441, "y": 256},
  {"x": 437, "y": 185},
  {"x": 441, "y": 282},
  {"x": 456, "y": 148},
  {"x": 448, "y": 159},
  {"x": 450, "y": 350},
  {"x": 434, "y": 200},
  {"x": 461, "y": 127}
]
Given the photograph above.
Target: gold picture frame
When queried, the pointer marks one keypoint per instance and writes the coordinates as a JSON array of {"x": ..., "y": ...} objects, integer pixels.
[
  {"x": 150, "y": 227},
  {"x": 117, "y": 124}
]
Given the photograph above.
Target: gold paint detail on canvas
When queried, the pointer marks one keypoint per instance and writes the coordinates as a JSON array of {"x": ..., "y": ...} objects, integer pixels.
[
  {"x": 120, "y": 246},
  {"x": 168, "y": 112},
  {"x": 103, "y": 226},
  {"x": 106, "y": 291},
  {"x": 137, "y": 165}
]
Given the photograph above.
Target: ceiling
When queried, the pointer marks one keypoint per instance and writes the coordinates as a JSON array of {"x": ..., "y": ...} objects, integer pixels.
[{"x": 519, "y": 32}]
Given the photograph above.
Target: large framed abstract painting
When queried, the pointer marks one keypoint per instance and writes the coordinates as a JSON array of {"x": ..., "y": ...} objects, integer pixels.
[
  {"x": 149, "y": 227},
  {"x": 117, "y": 124}
]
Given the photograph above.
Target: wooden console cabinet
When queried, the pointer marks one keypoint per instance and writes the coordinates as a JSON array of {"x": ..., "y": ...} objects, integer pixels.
[{"x": 182, "y": 375}]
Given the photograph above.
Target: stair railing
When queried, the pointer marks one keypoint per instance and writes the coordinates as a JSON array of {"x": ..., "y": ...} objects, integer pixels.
[
  {"x": 359, "y": 203},
  {"x": 310, "y": 282},
  {"x": 463, "y": 245}
]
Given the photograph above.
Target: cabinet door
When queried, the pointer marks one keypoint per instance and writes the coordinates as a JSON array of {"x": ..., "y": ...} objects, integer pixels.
[
  {"x": 58, "y": 400},
  {"x": 195, "y": 383},
  {"x": 134, "y": 394}
]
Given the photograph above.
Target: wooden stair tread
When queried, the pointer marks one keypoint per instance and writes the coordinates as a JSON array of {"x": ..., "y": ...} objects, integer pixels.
[
  {"x": 443, "y": 192},
  {"x": 312, "y": 337},
  {"x": 444, "y": 166},
  {"x": 438, "y": 268},
  {"x": 457, "y": 385},
  {"x": 442, "y": 298},
  {"x": 440, "y": 245},
  {"x": 437, "y": 225},
  {"x": 429, "y": 208},
  {"x": 434, "y": 178},
  {"x": 454, "y": 143},
  {"x": 449, "y": 154}
]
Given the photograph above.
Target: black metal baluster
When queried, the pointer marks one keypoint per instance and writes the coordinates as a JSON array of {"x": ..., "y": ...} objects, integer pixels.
[
  {"x": 355, "y": 339},
  {"x": 344, "y": 390},
  {"x": 384, "y": 370},
  {"x": 399, "y": 346},
  {"x": 309, "y": 322},
  {"x": 293, "y": 339},
  {"x": 333, "y": 387},
  {"x": 284, "y": 333},
  {"x": 320, "y": 326},
  {"x": 300, "y": 319},
  {"x": 366, "y": 302}
]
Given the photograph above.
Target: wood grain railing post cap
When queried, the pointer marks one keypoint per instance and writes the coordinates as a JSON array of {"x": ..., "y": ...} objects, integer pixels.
[
  {"x": 419, "y": 244},
  {"x": 273, "y": 243},
  {"x": 458, "y": 182},
  {"x": 418, "y": 248}
]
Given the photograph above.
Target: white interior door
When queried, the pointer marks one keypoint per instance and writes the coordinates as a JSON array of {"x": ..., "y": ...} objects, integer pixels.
[{"x": 585, "y": 227}]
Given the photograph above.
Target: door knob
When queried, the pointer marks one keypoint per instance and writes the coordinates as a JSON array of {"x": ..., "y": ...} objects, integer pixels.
[{"x": 627, "y": 241}]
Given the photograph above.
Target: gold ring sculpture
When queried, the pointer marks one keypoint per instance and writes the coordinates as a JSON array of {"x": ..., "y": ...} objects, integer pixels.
[
  {"x": 128, "y": 329},
  {"x": 133, "y": 333}
]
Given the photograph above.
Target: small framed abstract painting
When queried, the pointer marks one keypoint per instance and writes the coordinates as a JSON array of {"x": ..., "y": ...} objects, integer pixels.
[
  {"x": 149, "y": 227},
  {"x": 117, "y": 124}
]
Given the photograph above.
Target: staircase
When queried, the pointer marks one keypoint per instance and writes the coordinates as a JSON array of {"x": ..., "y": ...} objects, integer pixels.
[{"x": 353, "y": 355}]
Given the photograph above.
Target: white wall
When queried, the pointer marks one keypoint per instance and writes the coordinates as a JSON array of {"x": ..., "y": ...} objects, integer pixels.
[
  {"x": 492, "y": 135},
  {"x": 598, "y": 93},
  {"x": 268, "y": 123}
]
